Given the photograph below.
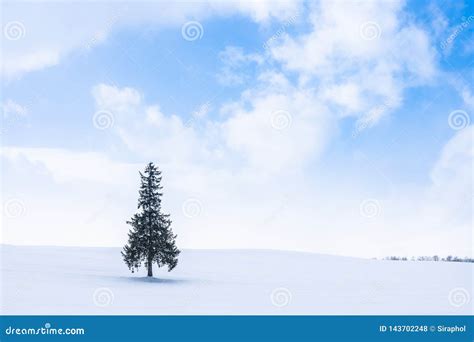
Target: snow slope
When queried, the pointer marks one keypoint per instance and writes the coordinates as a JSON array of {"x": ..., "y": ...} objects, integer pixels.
[{"x": 73, "y": 280}]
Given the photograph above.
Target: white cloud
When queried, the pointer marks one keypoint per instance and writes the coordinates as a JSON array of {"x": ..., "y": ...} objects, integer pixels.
[
  {"x": 264, "y": 10},
  {"x": 356, "y": 60},
  {"x": 18, "y": 64},
  {"x": 468, "y": 97},
  {"x": 149, "y": 133},
  {"x": 43, "y": 43},
  {"x": 115, "y": 99},
  {"x": 82, "y": 26},
  {"x": 346, "y": 95},
  {"x": 11, "y": 110},
  {"x": 69, "y": 198},
  {"x": 67, "y": 166},
  {"x": 248, "y": 131},
  {"x": 452, "y": 174},
  {"x": 240, "y": 209},
  {"x": 233, "y": 61},
  {"x": 365, "y": 54},
  {"x": 448, "y": 204},
  {"x": 277, "y": 126},
  {"x": 248, "y": 166},
  {"x": 242, "y": 184}
]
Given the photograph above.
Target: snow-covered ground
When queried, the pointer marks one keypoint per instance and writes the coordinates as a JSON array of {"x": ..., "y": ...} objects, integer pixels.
[{"x": 70, "y": 280}]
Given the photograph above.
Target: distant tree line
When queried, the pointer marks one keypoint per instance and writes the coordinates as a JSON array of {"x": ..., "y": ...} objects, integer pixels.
[{"x": 449, "y": 258}]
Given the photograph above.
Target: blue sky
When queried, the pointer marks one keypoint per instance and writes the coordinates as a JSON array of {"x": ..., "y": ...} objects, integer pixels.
[{"x": 280, "y": 124}]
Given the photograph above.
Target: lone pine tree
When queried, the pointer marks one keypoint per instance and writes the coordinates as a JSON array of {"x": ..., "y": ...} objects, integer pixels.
[{"x": 150, "y": 239}]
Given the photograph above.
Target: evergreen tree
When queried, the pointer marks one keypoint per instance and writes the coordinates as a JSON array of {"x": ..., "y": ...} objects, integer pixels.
[{"x": 150, "y": 239}]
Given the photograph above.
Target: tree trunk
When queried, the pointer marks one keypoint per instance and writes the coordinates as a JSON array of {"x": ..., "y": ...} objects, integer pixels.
[{"x": 150, "y": 268}]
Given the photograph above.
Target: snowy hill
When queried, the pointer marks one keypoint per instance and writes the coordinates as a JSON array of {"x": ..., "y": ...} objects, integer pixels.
[{"x": 73, "y": 280}]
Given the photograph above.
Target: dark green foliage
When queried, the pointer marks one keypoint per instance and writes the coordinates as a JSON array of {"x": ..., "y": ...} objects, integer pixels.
[
  {"x": 449, "y": 258},
  {"x": 150, "y": 239}
]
